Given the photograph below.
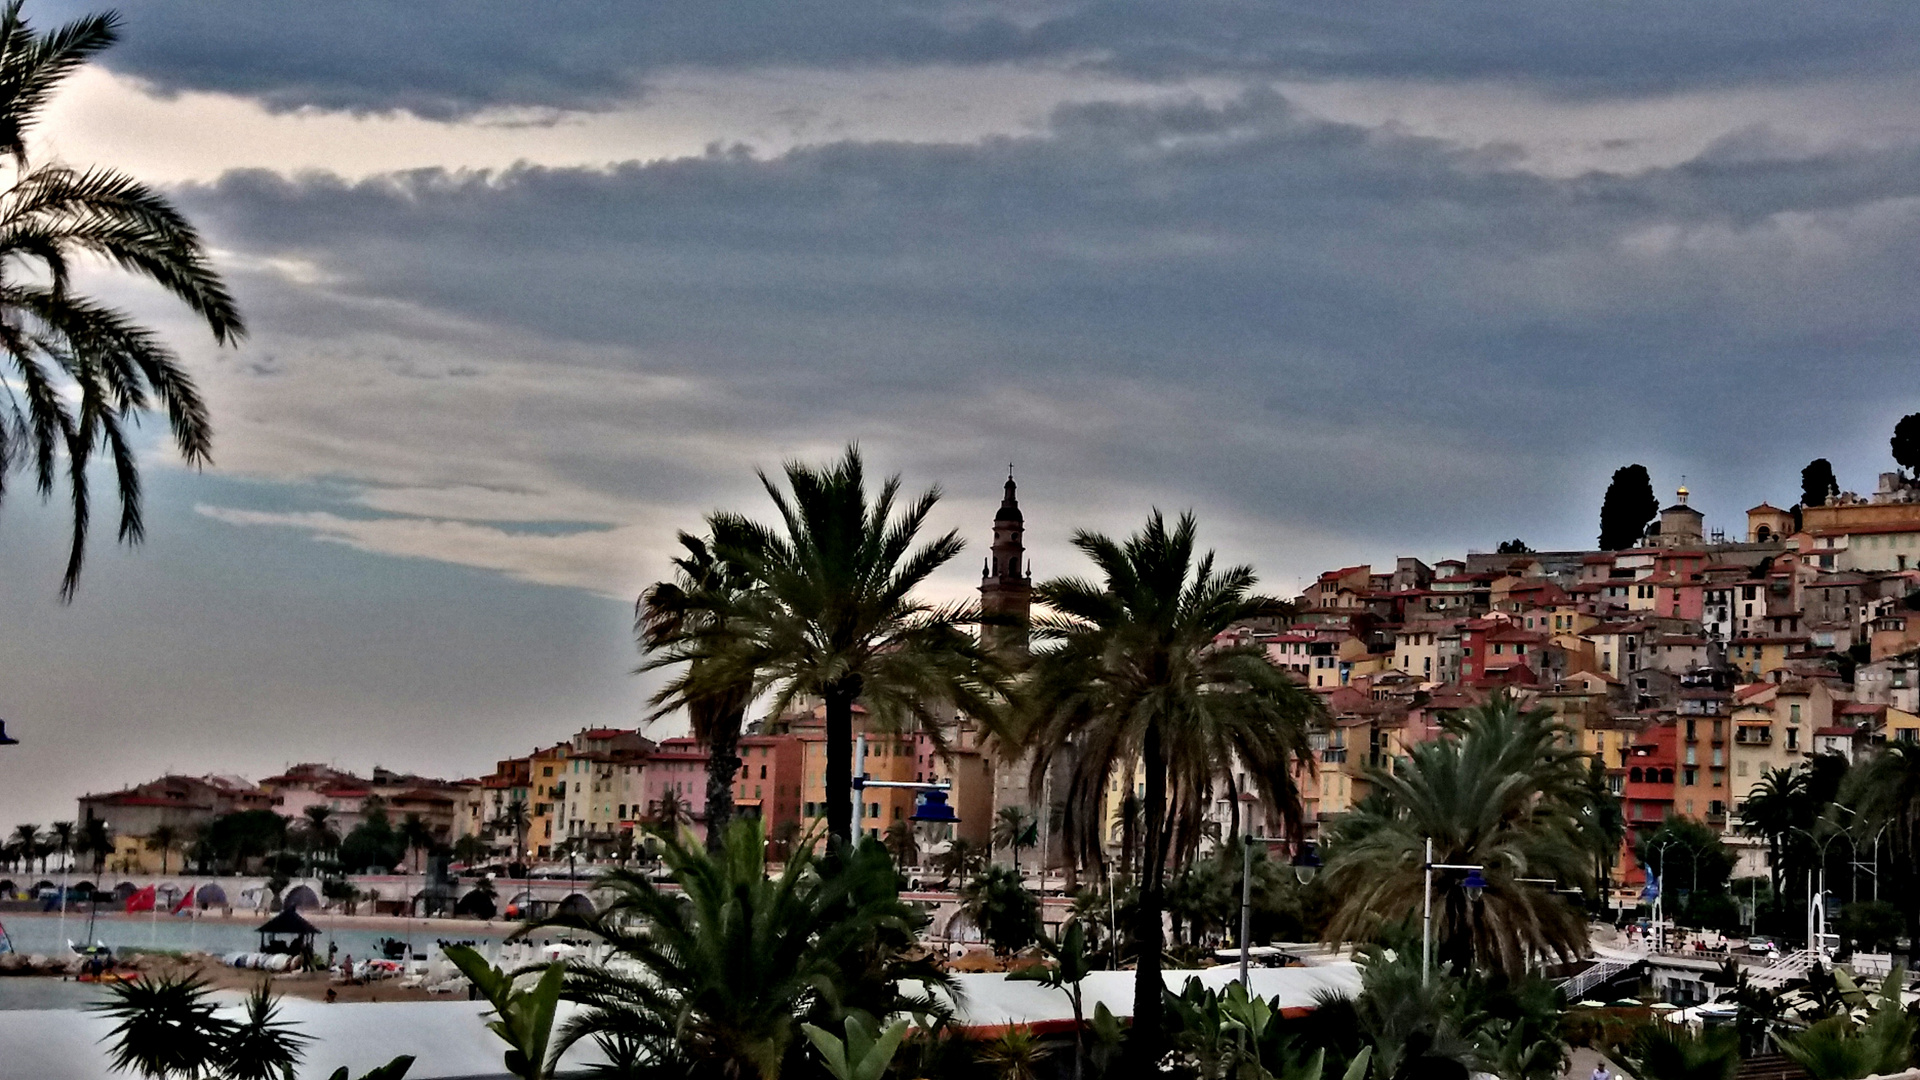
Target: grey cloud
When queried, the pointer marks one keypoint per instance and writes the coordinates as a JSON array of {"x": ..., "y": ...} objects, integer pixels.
[
  {"x": 1387, "y": 319},
  {"x": 439, "y": 58}
]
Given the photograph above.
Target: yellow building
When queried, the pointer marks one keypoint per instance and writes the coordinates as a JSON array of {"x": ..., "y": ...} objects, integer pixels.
[
  {"x": 548, "y": 791},
  {"x": 1757, "y": 657}
]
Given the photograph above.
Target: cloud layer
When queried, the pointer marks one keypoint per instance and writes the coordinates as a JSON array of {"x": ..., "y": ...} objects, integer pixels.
[{"x": 444, "y": 59}]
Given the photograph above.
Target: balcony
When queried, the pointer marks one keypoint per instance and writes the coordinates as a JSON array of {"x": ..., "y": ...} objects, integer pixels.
[
  {"x": 1334, "y": 755},
  {"x": 1753, "y": 737}
]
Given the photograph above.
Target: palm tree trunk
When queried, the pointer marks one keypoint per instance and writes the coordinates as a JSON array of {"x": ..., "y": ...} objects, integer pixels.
[
  {"x": 723, "y": 766},
  {"x": 840, "y": 823},
  {"x": 1149, "y": 942}
]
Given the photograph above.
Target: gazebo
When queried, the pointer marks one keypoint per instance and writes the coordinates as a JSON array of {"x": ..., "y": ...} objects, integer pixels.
[{"x": 287, "y": 924}]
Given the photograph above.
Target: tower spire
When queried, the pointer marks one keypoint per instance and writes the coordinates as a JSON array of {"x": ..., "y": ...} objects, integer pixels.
[{"x": 1006, "y": 589}]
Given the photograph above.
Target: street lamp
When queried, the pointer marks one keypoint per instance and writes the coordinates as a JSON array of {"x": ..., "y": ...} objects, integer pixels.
[
  {"x": 1246, "y": 893},
  {"x": 1814, "y": 943},
  {"x": 6, "y": 739},
  {"x": 1474, "y": 885},
  {"x": 1853, "y": 880},
  {"x": 1306, "y": 863}
]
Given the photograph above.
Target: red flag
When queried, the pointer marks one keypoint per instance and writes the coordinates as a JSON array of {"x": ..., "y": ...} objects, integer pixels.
[
  {"x": 186, "y": 898},
  {"x": 141, "y": 901}
]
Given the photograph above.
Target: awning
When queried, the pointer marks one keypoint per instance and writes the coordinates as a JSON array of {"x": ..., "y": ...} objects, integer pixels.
[{"x": 288, "y": 922}]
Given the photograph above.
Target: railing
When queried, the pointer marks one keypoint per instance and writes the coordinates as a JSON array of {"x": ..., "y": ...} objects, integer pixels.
[
  {"x": 1747, "y": 737},
  {"x": 1792, "y": 966},
  {"x": 1600, "y": 973}
]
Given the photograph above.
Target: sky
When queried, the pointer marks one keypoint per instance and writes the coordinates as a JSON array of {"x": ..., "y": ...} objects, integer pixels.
[{"x": 531, "y": 288}]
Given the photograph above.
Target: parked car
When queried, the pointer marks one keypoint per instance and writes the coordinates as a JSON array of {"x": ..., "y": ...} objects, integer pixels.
[{"x": 1762, "y": 946}]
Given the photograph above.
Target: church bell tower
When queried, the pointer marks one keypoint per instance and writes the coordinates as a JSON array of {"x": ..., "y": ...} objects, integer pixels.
[{"x": 1006, "y": 585}]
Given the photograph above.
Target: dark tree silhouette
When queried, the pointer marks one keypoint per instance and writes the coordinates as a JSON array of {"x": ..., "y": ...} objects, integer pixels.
[
  {"x": 1627, "y": 509},
  {"x": 1906, "y": 443},
  {"x": 1817, "y": 482},
  {"x": 1516, "y": 546}
]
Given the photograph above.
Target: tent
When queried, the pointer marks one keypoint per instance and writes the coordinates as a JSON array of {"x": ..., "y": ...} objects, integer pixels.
[{"x": 288, "y": 924}]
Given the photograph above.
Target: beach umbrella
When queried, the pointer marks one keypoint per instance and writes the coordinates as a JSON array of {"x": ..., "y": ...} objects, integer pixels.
[
  {"x": 1590, "y": 1004},
  {"x": 1664, "y": 1006}
]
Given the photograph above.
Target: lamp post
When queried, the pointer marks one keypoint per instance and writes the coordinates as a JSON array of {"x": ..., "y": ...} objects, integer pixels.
[
  {"x": 1305, "y": 864},
  {"x": 1813, "y": 942},
  {"x": 1474, "y": 885},
  {"x": 1853, "y": 879}
]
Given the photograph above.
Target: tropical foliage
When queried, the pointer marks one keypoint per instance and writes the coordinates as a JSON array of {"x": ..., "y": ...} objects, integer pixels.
[
  {"x": 83, "y": 373},
  {"x": 1504, "y": 792},
  {"x": 719, "y": 976},
  {"x": 1131, "y": 673},
  {"x": 832, "y": 615},
  {"x": 168, "y": 1029},
  {"x": 683, "y": 622}
]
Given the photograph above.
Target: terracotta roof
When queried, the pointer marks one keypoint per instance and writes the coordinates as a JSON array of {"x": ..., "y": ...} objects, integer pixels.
[{"x": 1838, "y": 729}]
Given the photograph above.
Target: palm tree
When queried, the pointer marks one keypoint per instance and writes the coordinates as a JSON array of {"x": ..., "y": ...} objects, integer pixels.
[
  {"x": 163, "y": 839},
  {"x": 1888, "y": 791},
  {"x": 1604, "y": 826},
  {"x": 82, "y": 371},
  {"x": 516, "y": 819},
  {"x": 960, "y": 860},
  {"x": 1503, "y": 790},
  {"x": 417, "y": 835},
  {"x": 1014, "y": 828},
  {"x": 1130, "y": 674},
  {"x": 62, "y": 833},
  {"x": 317, "y": 831},
  {"x": 834, "y": 616},
  {"x": 96, "y": 840},
  {"x": 470, "y": 850},
  {"x": 901, "y": 844},
  {"x": 723, "y": 972},
  {"x": 672, "y": 814},
  {"x": 26, "y": 841},
  {"x": 1772, "y": 809},
  {"x": 699, "y": 609}
]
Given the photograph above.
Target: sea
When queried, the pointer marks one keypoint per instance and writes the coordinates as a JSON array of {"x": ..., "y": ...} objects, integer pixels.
[{"x": 43, "y": 935}]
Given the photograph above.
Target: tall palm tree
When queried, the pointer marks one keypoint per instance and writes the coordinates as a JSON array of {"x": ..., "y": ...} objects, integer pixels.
[
  {"x": 1603, "y": 825},
  {"x": 1013, "y": 829},
  {"x": 834, "y": 616},
  {"x": 700, "y": 608},
  {"x": 1130, "y": 673},
  {"x": 514, "y": 820},
  {"x": 317, "y": 831},
  {"x": 163, "y": 839},
  {"x": 417, "y": 835},
  {"x": 673, "y": 813},
  {"x": 81, "y": 371},
  {"x": 96, "y": 840},
  {"x": 26, "y": 841},
  {"x": 1773, "y": 808},
  {"x": 901, "y": 844},
  {"x": 731, "y": 964},
  {"x": 62, "y": 834},
  {"x": 1503, "y": 790},
  {"x": 1888, "y": 791}
]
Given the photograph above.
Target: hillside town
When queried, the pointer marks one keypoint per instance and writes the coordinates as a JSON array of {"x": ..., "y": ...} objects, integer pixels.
[{"x": 1690, "y": 664}]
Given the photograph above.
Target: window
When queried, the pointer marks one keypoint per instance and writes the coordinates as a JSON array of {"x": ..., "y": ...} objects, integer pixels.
[
  {"x": 1793, "y": 713},
  {"x": 1740, "y": 768},
  {"x": 1690, "y": 777},
  {"x": 1793, "y": 738},
  {"x": 763, "y": 772},
  {"x": 1633, "y": 775}
]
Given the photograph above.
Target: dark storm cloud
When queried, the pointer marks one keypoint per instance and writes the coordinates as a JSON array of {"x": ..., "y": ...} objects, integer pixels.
[
  {"x": 442, "y": 58},
  {"x": 1339, "y": 290}
]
